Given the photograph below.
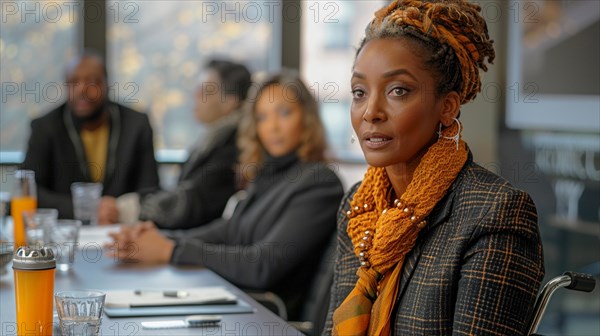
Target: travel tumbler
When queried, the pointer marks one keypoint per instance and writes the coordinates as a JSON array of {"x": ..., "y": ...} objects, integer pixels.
[
  {"x": 24, "y": 198},
  {"x": 34, "y": 290}
]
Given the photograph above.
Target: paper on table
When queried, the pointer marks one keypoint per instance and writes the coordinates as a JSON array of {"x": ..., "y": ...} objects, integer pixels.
[
  {"x": 151, "y": 298},
  {"x": 239, "y": 307},
  {"x": 97, "y": 235}
]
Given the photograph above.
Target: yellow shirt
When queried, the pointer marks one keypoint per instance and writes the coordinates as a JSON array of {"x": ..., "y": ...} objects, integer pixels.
[{"x": 95, "y": 144}]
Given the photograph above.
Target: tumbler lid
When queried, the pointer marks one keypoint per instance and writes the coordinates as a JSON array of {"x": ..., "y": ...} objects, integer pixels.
[{"x": 31, "y": 258}]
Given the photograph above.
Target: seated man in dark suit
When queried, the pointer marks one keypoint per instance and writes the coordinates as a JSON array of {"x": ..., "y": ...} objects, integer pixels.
[
  {"x": 90, "y": 139},
  {"x": 207, "y": 178}
]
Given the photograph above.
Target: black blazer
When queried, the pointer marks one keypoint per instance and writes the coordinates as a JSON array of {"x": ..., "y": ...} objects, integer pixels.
[
  {"x": 56, "y": 154},
  {"x": 475, "y": 269},
  {"x": 274, "y": 241},
  {"x": 205, "y": 184}
]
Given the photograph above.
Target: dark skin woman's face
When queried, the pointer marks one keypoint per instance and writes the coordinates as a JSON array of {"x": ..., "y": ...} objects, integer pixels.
[
  {"x": 279, "y": 123},
  {"x": 395, "y": 109}
]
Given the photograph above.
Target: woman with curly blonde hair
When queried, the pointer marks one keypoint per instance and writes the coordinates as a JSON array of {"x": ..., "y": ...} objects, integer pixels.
[
  {"x": 312, "y": 142},
  {"x": 276, "y": 235}
]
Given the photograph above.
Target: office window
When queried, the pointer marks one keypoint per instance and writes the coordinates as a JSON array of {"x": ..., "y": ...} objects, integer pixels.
[
  {"x": 553, "y": 95},
  {"x": 157, "y": 48},
  {"x": 331, "y": 32},
  {"x": 338, "y": 35},
  {"x": 553, "y": 66},
  {"x": 37, "y": 38}
]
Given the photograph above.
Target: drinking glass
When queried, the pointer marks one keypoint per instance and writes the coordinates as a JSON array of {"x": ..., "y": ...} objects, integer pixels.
[
  {"x": 79, "y": 312},
  {"x": 38, "y": 224},
  {"x": 63, "y": 241},
  {"x": 24, "y": 198},
  {"x": 86, "y": 198}
]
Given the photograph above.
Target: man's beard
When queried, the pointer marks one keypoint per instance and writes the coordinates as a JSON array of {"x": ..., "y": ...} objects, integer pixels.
[{"x": 92, "y": 117}]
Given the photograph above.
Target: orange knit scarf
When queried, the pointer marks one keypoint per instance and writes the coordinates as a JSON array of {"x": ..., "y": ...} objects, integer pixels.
[{"x": 384, "y": 233}]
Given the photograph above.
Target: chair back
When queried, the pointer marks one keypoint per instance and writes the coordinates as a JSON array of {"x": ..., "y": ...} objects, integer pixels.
[{"x": 316, "y": 305}]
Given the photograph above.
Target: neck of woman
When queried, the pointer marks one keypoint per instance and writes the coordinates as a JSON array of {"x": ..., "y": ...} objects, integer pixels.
[
  {"x": 400, "y": 177},
  {"x": 401, "y": 174}
]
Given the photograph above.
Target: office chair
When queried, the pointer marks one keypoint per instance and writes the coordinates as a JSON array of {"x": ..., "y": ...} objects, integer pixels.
[
  {"x": 314, "y": 310},
  {"x": 569, "y": 280}
]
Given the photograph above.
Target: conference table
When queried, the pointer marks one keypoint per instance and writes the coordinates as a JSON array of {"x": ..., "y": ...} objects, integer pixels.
[{"x": 94, "y": 270}]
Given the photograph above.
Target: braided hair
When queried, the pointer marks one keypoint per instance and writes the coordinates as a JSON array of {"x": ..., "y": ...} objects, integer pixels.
[
  {"x": 451, "y": 34},
  {"x": 451, "y": 37}
]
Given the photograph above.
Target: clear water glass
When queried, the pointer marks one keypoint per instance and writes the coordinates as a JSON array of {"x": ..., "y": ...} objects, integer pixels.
[
  {"x": 64, "y": 236},
  {"x": 38, "y": 224},
  {"x": 86, "y": 198},
  {"x": 79, "y": 312}
]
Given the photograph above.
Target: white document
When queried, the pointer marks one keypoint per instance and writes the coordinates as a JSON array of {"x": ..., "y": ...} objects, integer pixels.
[
  {"x": 96, "y": 235},
  {"x": 154, "y": 297}
]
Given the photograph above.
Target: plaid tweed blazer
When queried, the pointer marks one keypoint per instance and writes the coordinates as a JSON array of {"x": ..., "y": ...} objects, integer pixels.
[{"x": 475, "y": 269}]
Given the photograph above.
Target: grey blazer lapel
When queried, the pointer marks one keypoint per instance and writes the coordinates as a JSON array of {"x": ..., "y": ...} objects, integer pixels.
[{"x": 76, "y": 141}]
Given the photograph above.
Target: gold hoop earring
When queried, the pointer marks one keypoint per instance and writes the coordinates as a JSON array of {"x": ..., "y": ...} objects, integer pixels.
[{"x": 455, "y": 138}]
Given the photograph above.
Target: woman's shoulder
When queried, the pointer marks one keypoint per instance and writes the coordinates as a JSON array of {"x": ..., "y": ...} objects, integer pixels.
[
  {"x": 493, "y": 203},
  {"x": 475, "y": 179}
]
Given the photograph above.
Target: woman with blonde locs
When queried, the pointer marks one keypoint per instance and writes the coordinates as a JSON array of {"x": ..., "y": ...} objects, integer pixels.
[{"x": 429, "y": 243}]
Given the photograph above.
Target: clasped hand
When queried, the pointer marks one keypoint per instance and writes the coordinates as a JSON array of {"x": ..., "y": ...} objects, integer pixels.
[{"x": 142, "y": 242}]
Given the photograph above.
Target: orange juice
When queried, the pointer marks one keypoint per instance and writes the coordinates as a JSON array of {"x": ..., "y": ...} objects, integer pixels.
[
  {"x": 34, "y": 290},
  {"x": 17, "y": 206}
]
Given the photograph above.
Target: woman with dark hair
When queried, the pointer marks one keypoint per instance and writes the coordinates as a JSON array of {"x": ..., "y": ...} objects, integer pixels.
[
  {"x": 275, "y": 237},
  {"x": 430, "y": 243}
]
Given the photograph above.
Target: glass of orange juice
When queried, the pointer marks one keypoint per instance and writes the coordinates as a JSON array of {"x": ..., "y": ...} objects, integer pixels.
[{"x": 24, "y": 198}]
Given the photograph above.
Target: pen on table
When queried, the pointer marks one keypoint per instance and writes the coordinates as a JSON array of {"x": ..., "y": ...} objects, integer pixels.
[
  {"x": 166, "y": 293},
  {"x": 194, "y": 321}
]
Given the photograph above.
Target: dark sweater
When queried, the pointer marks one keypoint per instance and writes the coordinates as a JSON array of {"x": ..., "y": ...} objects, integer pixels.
[{"x": 275, "y": 237}]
